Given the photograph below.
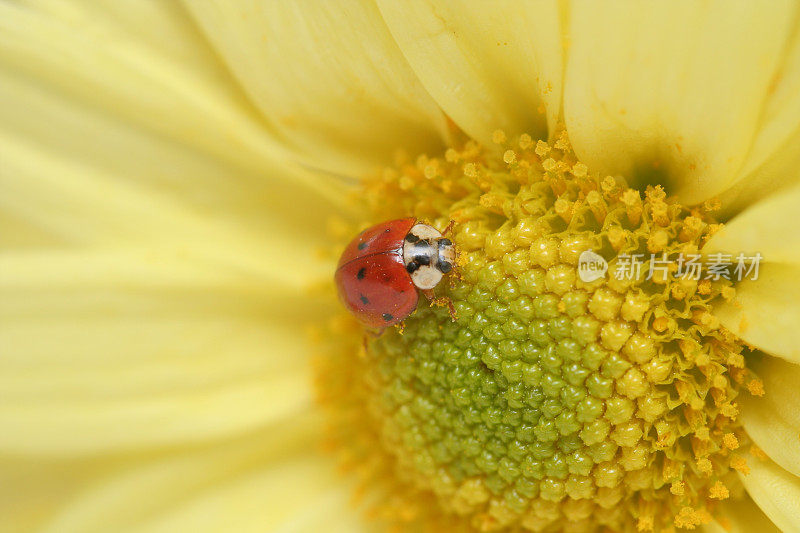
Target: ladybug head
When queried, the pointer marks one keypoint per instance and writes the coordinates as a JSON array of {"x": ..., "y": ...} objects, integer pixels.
[{"x": 427, "y": 255}]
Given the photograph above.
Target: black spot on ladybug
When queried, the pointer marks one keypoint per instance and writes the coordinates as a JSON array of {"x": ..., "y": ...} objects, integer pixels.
[
  {"x": 362, "y": 245},
  {"x": 387, "y": 317},
  {"x": 445, "y": 267},
  {"x": 445, "y": 242},
  {"x": 361, "y": 273},
  {"x": 364, "y": 300},
  {"x": 412, "y": 267},
  {"x": 422, "y": 259},
  {"x": 412, "y": 238}
]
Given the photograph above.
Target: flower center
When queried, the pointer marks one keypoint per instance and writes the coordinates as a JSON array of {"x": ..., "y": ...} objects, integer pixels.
[{"x": 585, "y": 382}]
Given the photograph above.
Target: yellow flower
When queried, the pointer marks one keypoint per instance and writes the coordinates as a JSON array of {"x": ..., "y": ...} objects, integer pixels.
[{"x": 168, "y": 173}]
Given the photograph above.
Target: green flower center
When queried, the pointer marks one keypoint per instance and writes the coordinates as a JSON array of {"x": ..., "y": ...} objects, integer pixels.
[{"x": 553, "y": 401}]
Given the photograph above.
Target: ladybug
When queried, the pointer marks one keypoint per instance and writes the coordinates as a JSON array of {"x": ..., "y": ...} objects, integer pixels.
[{"x": 382, "y": 269}]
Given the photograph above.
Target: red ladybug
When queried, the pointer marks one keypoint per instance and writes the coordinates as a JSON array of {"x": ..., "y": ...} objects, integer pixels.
[{"x": 380, "y": 271}]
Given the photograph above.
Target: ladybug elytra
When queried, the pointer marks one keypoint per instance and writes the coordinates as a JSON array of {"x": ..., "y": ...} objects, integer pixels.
[{"x": 381, "y": 270}]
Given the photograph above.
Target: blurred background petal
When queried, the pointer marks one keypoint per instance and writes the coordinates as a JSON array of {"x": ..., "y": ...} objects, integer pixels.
[
  {"x": 742, "y": 516},
  {"x": 489, "y": 65},
  {"x": 270, "y": 480},
  {"x": 109, "y": 351},
  {"x": 776, "y": 491},
  {"x": 773, "y": 162},
  {"x": 328, "y": 79},
  {"x": 773, "y": 420},
  {"x": 157, "y": 252},
  {"x": 141, "y": 63},
  {"x": 672, "y": 92}
]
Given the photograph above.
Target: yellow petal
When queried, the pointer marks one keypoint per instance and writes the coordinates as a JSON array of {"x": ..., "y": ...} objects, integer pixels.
[
  {"x": 111, "y": 352},
  {"x": 741, "y": 515},
  {"x": 774, "y": 160},
  {"x": 328, "y": 78},
  {"x": 305, "y": 498},
  {"x": 269, "y": 480},
  {"x": 776, "y": 491},
  {"x": 155, "y": 250},
  {"x": 154, "y": 195},
  {"x": 489, "y": 65},
  {"x": 671, "y": 91},
  {"x": 773, "y": 420},
  {"x": 99, "y": 150},
  {"x": 144, "y": 64},
  {"x": 765, "y": 312},
  {"x": 767, "y": 227}
]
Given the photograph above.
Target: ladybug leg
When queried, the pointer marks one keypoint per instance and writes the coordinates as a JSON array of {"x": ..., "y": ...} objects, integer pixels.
[
  {"x": 450, "y": 307},
  {"x": 369, "y": 335},
  {"x": 449, "y": 228},
  {"x": 442, "y": 301}
]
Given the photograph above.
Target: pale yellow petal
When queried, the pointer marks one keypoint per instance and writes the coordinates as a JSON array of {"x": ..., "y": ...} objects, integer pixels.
[
  {"x": 773, "y": 420},
  {"x": 767, "y": 227},
  {"x": 33, "y": 490},
  {"x": 164, "y": 198},
  {"x": 156, "y": 251},
  {"x": 128, "y": 349},
  {"x": 99, "y": 155},
  {"x": 143, "y": 63},
  {"x": 765, "y": 312},
  {"x": 773, "y": 162},
  {"x": 40, "y": 493},
  {"x": 303, "y": 497},
  {"x": 671, "y": 92},
  {"x": 741, "y": 515},
  {"x": 776, "y": 491},
  {"x": 103, "y": 144},
  {"x": 327, "y": 77},
  {"x": 155, "y": 257},
  {"x": 489, "y": 65},
  {"x": 266, "y": 481}
]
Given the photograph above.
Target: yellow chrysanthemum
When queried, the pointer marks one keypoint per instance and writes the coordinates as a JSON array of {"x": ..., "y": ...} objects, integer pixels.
[{"x": 170, "y": 174}]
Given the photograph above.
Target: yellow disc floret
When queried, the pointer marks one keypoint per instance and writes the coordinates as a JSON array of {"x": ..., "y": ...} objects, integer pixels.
[{"x": 555, "y": 401}]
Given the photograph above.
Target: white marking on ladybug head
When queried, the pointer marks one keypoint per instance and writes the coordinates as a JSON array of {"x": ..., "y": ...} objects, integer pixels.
[{"x": 427, "y": 255}]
